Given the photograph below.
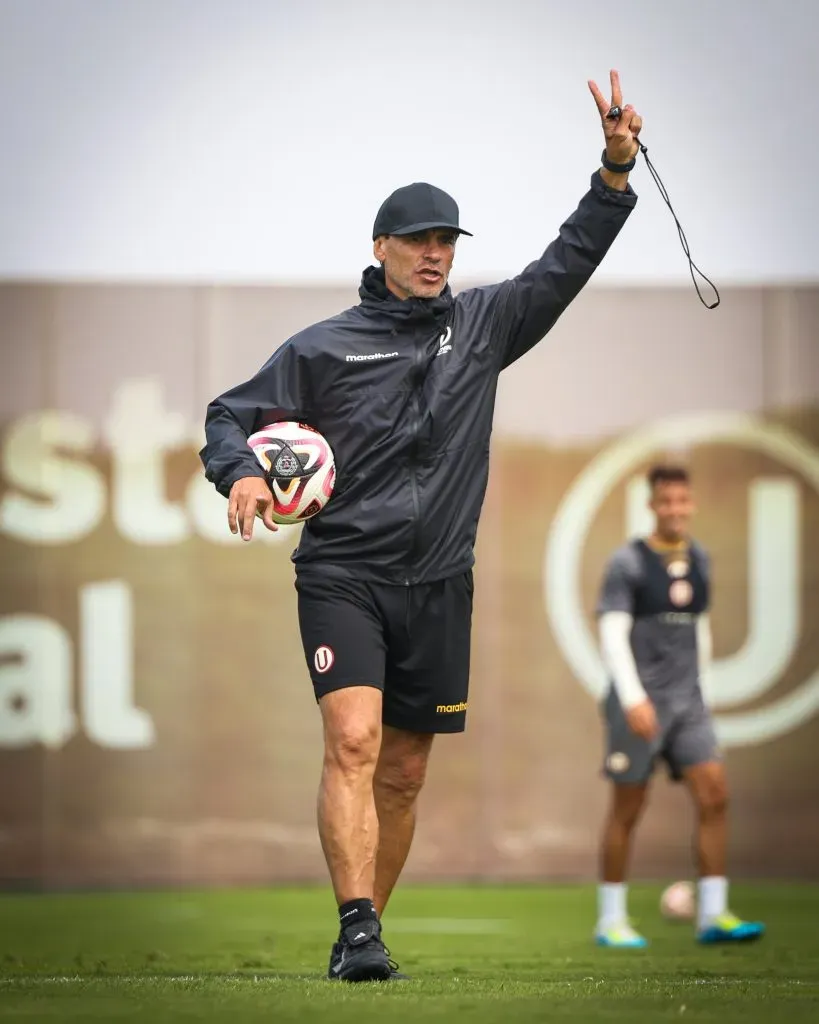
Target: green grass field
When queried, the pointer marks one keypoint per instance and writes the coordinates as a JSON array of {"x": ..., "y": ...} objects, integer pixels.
[{"x": 479, "y": 954}]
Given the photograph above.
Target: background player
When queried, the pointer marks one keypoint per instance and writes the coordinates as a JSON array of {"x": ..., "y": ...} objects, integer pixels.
[{"x": 656, "y": 643}]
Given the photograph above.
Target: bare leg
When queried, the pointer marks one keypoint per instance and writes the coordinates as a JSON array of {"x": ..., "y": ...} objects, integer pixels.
[
  {"x": 399, "y": 776},
  {"x": 709, "y": 790},
  {"x": 347, "y": 820},
  {"x": 627, "y": 802}
]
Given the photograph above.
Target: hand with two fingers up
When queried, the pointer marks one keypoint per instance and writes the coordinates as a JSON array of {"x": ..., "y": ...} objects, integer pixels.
[{"x": 621, "y": 128}]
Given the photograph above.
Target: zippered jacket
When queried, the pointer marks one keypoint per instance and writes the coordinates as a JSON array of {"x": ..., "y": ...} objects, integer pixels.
[{"x": 404, "y": 392}]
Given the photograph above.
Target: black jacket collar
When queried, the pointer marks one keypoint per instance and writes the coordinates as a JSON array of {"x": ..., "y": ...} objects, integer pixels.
[{"x": 376, "y": 296}]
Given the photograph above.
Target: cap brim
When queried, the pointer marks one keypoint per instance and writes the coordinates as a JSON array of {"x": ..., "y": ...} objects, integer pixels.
[{"x": 410, "y": 229}]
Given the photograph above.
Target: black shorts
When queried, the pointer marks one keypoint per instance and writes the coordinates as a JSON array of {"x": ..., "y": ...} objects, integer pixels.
[{"x": 412, "y": 643}]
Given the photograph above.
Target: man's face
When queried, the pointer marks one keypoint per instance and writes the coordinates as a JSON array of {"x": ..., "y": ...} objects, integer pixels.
[
  {"x": 417, "y": 266},
  {"x": 673, "y": 505}
]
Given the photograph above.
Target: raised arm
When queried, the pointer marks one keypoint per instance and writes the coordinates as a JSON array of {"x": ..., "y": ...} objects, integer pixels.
[{"x": 529, "y": 305}]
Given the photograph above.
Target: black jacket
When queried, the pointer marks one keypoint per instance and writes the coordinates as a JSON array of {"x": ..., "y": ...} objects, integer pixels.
[{"x": 404, "y": 391}]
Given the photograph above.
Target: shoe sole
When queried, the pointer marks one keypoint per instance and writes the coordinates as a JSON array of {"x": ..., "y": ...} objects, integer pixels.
[
  {"x": 372, "y": 970},
  {"x": 620, "y": 945},
  {"x": 393, "y": 976}
]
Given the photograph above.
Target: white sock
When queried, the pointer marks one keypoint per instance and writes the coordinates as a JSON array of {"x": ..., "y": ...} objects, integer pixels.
[
  {"x": 611, "y": 904},
  {"x": 712, "y": 899}
]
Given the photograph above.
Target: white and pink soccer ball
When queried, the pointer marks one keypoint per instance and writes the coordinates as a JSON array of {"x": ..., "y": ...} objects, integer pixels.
[
  {"x": 679, "y": 902},
  {"x": 300, "y": 466}
]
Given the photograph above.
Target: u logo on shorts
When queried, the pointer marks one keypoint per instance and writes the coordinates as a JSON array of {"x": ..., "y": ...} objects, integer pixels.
[
  {"x": 618, "y": 762},
  {"x": 324, "y": 658}
]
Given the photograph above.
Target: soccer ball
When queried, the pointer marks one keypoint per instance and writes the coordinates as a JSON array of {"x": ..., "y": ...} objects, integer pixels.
[
  {"x": 300, "y": 469},
  {"x": 678, "y": 902}
]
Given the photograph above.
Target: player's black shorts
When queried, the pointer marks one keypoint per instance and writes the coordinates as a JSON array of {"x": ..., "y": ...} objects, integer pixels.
[{"x": 410, "y": 642}]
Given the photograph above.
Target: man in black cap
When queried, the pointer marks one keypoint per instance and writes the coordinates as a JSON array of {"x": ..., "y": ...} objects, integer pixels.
[{"x": 403, "y": 386}]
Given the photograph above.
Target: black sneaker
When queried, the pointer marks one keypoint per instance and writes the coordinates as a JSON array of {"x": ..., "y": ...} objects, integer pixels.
[{"x": 360, "y": 955}]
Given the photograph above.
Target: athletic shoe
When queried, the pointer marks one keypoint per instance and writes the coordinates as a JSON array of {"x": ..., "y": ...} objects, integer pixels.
[
  {"x": 335, "y": 956},
  {"x": 620, "y": 936},
  {"x": 360, "y": 955},
  {"x": 729, "y": 928}
]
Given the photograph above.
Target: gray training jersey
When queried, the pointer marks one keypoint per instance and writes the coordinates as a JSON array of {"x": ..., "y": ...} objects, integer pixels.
[{"x": 665, "y": 592}]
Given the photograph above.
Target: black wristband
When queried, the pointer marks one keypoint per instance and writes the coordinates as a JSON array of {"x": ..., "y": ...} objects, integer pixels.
[{"x": 618, "y": 168}]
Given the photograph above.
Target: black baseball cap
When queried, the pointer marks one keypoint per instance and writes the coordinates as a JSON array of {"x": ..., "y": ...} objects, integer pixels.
[{"x": 417, "y": 207}]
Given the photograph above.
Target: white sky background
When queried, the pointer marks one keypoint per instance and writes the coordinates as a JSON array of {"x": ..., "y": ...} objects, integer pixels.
[{"x": 253, "y": 140}]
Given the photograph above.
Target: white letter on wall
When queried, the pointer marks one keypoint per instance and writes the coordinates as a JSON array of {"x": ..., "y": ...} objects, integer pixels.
[
  {"x": 139, "y": 433},
  {"x": 75, "y": 490},
  {"x": 35, "y": 682},
  {"x": 107, "y": 645}
]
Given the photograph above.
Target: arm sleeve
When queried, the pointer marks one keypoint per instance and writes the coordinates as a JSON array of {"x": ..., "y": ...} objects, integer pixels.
[
  {"x": 705, "y": 655},
  {"x": 615, "y": 643},
  {"x": 279, "y": 391},
  {"x": 530, "y": 304}
]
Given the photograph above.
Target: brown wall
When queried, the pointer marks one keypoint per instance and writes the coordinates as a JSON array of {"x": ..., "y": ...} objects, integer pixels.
[{"x": 213, "y": 778}]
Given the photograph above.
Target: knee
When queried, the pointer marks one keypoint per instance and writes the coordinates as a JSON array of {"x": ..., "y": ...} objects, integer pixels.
[
  {"x": 353, "y": 748},
  {"x": 626, "y": 817},
  {"x": 713, "y": 802},
  {"x": 627, "y": 805},
  {"x": 401, "y": 781}
]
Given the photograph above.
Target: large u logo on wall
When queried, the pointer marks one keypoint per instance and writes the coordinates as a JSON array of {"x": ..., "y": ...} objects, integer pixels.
[{"x": 774, "y": 579}]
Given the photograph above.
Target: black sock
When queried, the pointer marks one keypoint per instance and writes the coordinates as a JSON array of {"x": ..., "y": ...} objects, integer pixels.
[{"x": 354, "y": 911}]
